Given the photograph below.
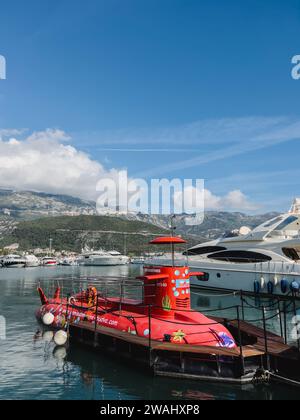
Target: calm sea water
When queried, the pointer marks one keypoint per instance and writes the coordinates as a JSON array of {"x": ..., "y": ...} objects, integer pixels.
[{"x": 32, "y": 368}]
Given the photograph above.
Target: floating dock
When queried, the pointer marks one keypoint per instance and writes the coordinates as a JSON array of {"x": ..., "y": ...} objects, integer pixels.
[{"x": 261, "y": 357}]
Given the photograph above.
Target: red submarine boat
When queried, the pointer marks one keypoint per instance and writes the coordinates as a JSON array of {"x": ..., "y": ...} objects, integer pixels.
[{"x": 163, "y": 315}]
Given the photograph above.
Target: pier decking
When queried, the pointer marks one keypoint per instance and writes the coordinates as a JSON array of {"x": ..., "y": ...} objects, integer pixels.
[
  {"x": 274, "y": 343},
  {"x": 260, "y": 352}
]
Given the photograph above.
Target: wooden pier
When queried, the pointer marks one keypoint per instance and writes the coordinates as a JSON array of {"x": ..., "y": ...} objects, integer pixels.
[{"x": 261, "y": 355}]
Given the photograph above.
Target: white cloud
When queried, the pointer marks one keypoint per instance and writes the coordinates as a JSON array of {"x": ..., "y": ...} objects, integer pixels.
[
  {"x": 233, "y": 201},
  {"x": 44, "y": 162},
  {"x": 236, "y": 200},
  {"x": 4, "y": 133},
  {"x": 213, "y": 131},
  {"x": 229, "y": 137},
  {"x": 49, "y": 135},
  {"x": 211, "y": 201}
]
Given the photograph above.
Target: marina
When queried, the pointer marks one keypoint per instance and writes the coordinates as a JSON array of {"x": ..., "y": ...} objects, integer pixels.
[
  {"x": 93, "y": 259},
  {"x": 161, "y": 331},
  {"x": 33, "y": 367},
  {"x": 149, "y": 203},
  {"x": 151, "y": 319}
]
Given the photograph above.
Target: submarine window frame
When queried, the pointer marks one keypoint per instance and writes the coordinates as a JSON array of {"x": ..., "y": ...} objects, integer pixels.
[
  {"x": 238, "y": 256},
  {"x": 203, "y": 250}
]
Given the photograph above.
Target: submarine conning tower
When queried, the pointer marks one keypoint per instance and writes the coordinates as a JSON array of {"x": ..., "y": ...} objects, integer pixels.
[{"x": 167, "y": 287}]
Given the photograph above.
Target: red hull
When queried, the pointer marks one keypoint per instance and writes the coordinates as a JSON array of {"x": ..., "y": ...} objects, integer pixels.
[
  {"x": 179, "y": 327},
  {"x": 164, "y": 315}
]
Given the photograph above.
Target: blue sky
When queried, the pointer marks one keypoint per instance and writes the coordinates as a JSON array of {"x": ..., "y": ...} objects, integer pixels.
[{"x": 172, "y": 88}]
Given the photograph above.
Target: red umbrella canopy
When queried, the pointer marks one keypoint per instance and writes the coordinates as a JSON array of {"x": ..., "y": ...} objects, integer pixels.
[{"x": 168, "y": 240}]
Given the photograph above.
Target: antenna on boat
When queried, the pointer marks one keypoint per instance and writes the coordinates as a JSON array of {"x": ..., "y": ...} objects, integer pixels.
[
  {"x": 295, "y": 209},
  {"x": 50, "y": 246},
  {"x": 173, "y": 228},
  {"x": 172, "y": 224}
]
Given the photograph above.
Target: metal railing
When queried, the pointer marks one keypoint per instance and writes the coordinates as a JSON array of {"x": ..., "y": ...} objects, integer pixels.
[{"x": 127, "y": 288}]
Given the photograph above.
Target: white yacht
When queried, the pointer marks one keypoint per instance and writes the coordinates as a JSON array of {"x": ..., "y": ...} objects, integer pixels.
[
  {"x": 103, "y": 258},
  {"x": 13, "y": 261},
  {"x": 265, "y": 260},
  {"x": 138, "y": 260},
  {"x": 32, "y": 261},
  {"x": 49, "y": 262},
  {"x": 69, "y": 262}
]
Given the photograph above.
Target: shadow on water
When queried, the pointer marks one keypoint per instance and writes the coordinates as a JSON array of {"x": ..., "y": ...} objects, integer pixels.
[
  {"x": 100, "y": 374},
  {"x": 32, "y": 368}
]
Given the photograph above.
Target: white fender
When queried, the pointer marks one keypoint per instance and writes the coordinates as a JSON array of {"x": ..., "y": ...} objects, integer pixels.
[
  {"x": 48, "y": 336},
  {"x": 60, "y": 338},
  {"x": 48, "y": 319}
]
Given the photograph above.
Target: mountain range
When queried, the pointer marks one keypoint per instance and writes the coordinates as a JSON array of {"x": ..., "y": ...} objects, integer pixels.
[{"x": 21, "y": 210}]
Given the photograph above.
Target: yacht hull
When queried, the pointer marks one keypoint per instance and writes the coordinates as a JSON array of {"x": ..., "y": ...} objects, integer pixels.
[
  {"x": 269, "y": 277},
  {"x": 221, "y": 276},
  {"x": 104, "y": 261},
  {"x": 13, "y": 265}
]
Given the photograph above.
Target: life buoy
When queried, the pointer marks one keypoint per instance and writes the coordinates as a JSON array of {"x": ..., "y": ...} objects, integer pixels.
[
  {"x": 262, "y": 282},
  {"x": 91, "y": 296},
  {"x": 276, "y": 281}
]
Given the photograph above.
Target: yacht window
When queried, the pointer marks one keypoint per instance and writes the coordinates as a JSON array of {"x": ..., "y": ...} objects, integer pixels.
[
  {"x": 240, "y": 257},
  {"x": 287, "y": 222},
  {"x": 291, "y": 253},
  {"x": 204, "y": 250},
  {"x": 273, "y": 222}
]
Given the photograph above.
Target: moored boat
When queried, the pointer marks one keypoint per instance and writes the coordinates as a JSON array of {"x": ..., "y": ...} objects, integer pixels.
[
  {"x": 138, "y": 260},
  {"x": 32, "y": 261},
  {"x": 160, "y": 330},
  {"x": 69, "y": 262},
  {"x": 265, "y": 260},
  {"x": 163, "y": 315},
  {"x": 49, "y": 262},
  {"x": 14, "y": 261},
  {"x": 103, "y": 258},
  {"x": 166, "y": 291}
]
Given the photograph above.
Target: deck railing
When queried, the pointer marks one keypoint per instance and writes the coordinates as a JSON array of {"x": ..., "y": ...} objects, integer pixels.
[{"x": 281, "y": 308}]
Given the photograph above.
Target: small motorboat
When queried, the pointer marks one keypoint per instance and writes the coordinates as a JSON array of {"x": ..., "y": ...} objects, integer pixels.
[
  {"x": 69, "y": 262},
  {"x": 138, "y": 260},
  {"x": 49, "y": 262}
]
